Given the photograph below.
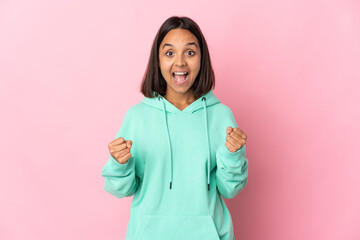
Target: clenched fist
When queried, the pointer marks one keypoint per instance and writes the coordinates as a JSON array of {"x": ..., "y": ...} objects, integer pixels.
[
  {"x": 235, "y": 139},
  {"x": 120, "y": 149}
]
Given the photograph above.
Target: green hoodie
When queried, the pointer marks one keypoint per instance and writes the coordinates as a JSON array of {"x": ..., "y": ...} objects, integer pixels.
[{"x": 178, "y": 169}]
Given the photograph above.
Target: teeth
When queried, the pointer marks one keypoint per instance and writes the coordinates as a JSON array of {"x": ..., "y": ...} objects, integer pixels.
[{"x": 180, "y": 73}]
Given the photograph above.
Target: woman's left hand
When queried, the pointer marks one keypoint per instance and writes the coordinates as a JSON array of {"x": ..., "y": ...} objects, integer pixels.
[{"x": 235, "y": 139}]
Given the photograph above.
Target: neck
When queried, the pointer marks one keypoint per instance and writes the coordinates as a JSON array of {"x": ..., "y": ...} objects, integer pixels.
[{"x": 180, "y": 99}]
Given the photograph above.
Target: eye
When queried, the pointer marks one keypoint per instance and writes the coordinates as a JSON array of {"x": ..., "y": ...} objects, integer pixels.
[
  {"x": 167, "y": 53},
  {"x": 192, "y": 54}
]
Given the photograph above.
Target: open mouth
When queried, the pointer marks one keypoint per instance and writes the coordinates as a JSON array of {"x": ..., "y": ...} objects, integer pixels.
[{"x": 180, "y": 77}]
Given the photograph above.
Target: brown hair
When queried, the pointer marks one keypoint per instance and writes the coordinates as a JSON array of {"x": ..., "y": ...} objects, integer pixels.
[{"x": 153, "y": 79}]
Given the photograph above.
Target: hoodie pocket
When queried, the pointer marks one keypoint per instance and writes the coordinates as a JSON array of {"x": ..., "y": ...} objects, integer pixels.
[{"x": 177, "y": 227}]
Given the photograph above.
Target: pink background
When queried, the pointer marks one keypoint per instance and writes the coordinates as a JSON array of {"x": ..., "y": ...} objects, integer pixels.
[{"x": 289, "y": 70}]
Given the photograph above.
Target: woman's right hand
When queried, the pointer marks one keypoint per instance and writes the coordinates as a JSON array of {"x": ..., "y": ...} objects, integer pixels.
[{"x": 120, "y": 149}]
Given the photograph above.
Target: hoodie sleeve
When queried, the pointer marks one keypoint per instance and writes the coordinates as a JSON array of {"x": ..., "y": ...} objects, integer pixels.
[
  {"x": 120, "y": 179},
  {"x": 232, "y": 167}
]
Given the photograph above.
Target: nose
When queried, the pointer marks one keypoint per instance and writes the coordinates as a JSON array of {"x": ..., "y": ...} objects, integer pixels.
[{"x": 180, "y": 60}]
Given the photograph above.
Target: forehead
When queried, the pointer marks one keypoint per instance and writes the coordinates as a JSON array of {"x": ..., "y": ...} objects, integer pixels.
[{"x": 179, "y": 37}]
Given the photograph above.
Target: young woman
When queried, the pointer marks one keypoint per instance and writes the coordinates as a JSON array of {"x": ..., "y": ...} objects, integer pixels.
[{"x": 178, "y": 150}]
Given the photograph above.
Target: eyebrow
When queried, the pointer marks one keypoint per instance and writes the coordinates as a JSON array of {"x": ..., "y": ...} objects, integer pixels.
[{"x": 189, "y": 43}]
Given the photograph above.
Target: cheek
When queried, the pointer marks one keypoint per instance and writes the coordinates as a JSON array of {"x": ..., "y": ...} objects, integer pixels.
[
  {"x": 196, "y": 67},
  {"x": 164, "y": 66},
  {"x": 197, "y": 64},
  {"x": 167, "y": 68}
]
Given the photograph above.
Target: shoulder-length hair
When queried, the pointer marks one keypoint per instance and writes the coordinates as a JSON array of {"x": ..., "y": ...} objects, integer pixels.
[{"x": 153, "y": 81}]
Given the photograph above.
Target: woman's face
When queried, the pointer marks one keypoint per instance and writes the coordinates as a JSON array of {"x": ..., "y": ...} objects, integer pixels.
[{"x": 179, "y": 52}]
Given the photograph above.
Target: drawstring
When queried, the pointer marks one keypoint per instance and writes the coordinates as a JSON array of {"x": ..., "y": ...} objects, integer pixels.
[
  {"x": 167, "y": 131},
  {"x": 169, "y": 143},
  {"x": 207, "y": 137}
]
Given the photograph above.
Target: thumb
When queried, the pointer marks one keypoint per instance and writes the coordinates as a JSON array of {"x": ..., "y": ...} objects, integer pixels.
[
  {"x": 229, "y": 130},
  {"x": 129, "y": 143}
]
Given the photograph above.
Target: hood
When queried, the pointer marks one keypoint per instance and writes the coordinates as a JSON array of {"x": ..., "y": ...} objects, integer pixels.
[
  {"x": 158, "y": 102},
  {"x": 202, "y": 103}
]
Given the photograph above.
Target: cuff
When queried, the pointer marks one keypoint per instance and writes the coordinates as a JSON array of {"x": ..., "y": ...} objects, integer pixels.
[
  {"x": 122, "y": 168},
  {"x": 232, "y": 156}
]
